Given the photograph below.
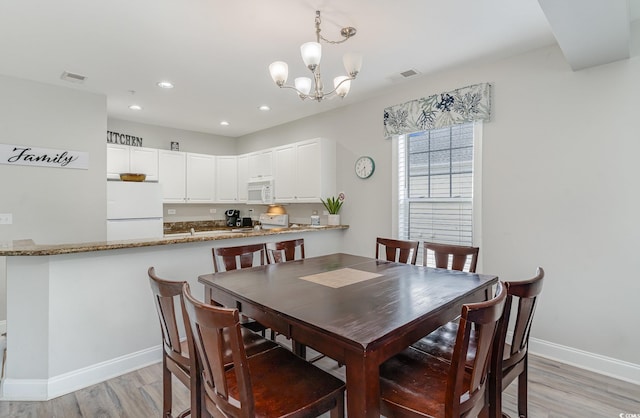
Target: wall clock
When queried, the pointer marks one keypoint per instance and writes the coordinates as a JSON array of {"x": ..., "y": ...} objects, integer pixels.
[{"x": 364, "y": 167}]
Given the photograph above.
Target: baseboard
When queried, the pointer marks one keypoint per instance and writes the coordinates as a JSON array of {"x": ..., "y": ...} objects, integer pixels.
[
  {"x": 619, "y": 369},
  {"x": 45, "y": 389}
]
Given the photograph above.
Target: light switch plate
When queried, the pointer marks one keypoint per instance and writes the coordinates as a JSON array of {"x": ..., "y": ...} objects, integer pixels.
[{"x": 6, "y": 218}]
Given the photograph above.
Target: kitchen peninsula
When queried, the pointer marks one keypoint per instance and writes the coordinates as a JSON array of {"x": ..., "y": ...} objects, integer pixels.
[{"x": 78, "y": 314}]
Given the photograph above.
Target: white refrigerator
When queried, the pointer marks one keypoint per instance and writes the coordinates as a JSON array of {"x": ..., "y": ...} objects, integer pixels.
[{"x": 134, "y": 210}]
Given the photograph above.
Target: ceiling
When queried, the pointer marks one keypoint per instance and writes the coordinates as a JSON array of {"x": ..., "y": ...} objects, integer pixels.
[{"x": 217, "y": 52}]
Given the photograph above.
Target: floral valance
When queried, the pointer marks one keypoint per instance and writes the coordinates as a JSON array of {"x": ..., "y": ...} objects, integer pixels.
[{"x": 462, "y": 105}]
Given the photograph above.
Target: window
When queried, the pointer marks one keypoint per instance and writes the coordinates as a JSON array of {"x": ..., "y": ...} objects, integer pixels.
[{"x": 436, "y": 185}]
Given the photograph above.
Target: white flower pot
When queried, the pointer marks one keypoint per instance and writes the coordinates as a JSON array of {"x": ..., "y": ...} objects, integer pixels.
[{"x": 334, "y": 220}]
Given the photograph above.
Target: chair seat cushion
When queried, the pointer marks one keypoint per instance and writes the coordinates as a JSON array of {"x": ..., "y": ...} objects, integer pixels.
[
  {"x": 415, "y": 381},
  {"x": 283, "y": 383}
]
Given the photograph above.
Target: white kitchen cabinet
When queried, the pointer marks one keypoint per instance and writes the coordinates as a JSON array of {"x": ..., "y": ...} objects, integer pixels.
[
  {"x": 172, "y": 167},
  {"x": 126, "y": 159},
  {"x": 187, "y": 177},
  {"x": 226, "y": 179},
  {"x": 243, "y": 177},
  {"x": 201, "y": 172},
  {"x": 285, "y": 172},
  {"x": 261, "y": 163},
  {"x": 305, "y": 172}
]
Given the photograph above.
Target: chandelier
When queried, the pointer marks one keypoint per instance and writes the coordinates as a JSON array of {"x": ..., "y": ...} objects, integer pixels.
[{"x": 311, "y": 53}]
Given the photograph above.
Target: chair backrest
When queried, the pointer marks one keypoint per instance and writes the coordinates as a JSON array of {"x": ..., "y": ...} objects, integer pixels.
[
  {"x": 279, "y": 252},
  {"x": 208, "y": 326},
  {"x": 401, "y": 251},
  {"x": 456, "y": 254},
  {"x": 240, "y": 257},
  {"x": 167, "y": 297},
  {"x": 467, "y": 389},
  {"x": 523, "y": 297}
]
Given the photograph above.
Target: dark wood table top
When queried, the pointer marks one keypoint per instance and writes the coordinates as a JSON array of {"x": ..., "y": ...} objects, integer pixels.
[{"x": 360, "y": 324}]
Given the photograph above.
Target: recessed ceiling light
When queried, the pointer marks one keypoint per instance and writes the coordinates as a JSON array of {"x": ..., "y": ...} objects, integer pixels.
[
  {"x": 165, "y": 84},
  {"x": 224, "y": 123},
  {"x": 264, "y": 108},
  {"x": 135, "y": 107}
]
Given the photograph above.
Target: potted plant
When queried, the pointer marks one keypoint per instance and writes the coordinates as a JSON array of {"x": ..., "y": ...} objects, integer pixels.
[{"x": 333, "y": 205}]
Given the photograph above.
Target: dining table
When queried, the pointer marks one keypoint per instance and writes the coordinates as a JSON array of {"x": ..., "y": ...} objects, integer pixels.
[{"x": 357, "y": 310}]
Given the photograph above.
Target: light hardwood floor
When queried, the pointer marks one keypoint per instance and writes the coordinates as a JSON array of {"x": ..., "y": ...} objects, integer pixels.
[{"x": 555, "y": 390}]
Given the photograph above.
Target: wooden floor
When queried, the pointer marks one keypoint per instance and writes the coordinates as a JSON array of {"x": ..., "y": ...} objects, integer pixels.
[{"x": 555, "y": 390}]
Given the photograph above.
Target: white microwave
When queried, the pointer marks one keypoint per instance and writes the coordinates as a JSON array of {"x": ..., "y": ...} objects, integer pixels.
[{"x": 260, "y": 191}]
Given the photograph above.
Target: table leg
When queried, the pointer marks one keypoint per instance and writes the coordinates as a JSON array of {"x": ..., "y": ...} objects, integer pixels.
[{"x": 363, "y": 386}]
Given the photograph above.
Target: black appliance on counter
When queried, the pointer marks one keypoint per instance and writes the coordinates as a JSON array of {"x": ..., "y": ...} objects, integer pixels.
[{"x": 233, "y": 217}]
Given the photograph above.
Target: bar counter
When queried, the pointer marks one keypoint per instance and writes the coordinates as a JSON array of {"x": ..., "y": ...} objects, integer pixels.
[{"x": 29, "y": 248}]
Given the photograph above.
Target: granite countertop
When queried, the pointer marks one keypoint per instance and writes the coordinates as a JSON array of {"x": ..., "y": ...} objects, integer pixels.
[{"x": 28, "y": 247}]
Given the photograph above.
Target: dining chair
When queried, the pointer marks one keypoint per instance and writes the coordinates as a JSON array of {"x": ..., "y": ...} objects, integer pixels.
[
  {"x": 511, "y": 355},
  {"x": 452, "y": 257},
  {"x": 401, "y": 251},
  {"x": 417, "y": 384},
  {"x": 274, "y": 383},
  {"x": 278, "y": 252},
  {"x": 240, "y": 257},
  {"x": 175, "y": 356}
]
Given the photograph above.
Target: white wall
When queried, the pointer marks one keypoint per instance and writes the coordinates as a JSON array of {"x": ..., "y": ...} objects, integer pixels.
[
  {"x": 560, "y": 178},
  {"x": 53, "y": 205}
]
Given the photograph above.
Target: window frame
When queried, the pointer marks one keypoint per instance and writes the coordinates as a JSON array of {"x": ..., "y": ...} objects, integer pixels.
[{"x": 477, "y": 189}]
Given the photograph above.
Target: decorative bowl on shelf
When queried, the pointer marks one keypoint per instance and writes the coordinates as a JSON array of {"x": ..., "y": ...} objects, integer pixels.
[{"x": 132, "y": 176}]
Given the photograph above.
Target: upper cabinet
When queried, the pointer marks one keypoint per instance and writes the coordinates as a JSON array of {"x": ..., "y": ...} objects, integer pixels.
[
  {"x": 201, "y": 172},
  {"x": 126, "y": 159},
  {"x": 261, "y": 163},
  {"x": 173, "y": 175},
  {"x": 305, "y": 171},
  {"x": 187, "y": 177},
  {"x": 227, "y": 179}
]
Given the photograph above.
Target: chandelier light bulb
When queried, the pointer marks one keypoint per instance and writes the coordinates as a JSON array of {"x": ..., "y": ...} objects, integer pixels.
[
  {"x": 342, "y": 84},
  {"x": 279, "y": 71},
  {"x": 311, "y": 53},
  {"x": 303, "y": 85},
  {"x": 352, "y": 63}
]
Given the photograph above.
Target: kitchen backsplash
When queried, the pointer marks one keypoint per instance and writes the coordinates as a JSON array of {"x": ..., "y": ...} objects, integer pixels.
[{"x": 299, "y": 213}]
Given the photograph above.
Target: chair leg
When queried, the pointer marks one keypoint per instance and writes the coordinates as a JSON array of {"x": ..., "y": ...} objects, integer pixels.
[
  {"x": 495, "y": 395},
  {"x": 522, "y": 389},
  {"x": 166, "y": 388}
]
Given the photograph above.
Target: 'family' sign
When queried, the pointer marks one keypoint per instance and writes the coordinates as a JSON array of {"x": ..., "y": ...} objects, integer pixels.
[{"x": 43, "y": 157}]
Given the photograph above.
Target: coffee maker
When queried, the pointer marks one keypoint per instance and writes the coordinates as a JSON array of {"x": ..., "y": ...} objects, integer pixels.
[{"x": 233, "y": 217}]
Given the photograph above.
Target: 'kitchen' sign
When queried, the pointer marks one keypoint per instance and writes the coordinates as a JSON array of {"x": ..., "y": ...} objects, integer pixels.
[{"x": 43, "y": 157}]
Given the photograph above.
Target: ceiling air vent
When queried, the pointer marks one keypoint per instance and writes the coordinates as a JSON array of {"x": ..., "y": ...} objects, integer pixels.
[
  {"x": 73, "y": 78},
  {"x": 409, "y": 73},
  {"x": 404, "y": 75}
]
